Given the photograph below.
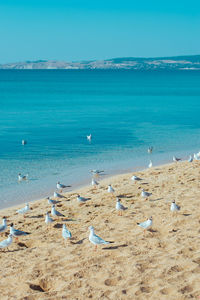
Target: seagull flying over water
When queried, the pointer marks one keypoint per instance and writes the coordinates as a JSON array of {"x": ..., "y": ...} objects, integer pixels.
[
  {"x": 66, "y": 234},
  {"x": 119, "y": 207},
  {"x": 23, "y": 210},
  {"x": 22, "y": 177},
  {"x": 145, "y": 194},
  {"x": 55, "y": 213},
  {"x": 16, "y": 233},
  {"x": 96, "y": 172},
  {"x": 174, "y": 206},
  {"x": 146, "y": 224},
  {"x": 150, "y": 149},
  {"x": 6, "y": 243},
  {"x": 4, "y": 225},
  {"x": 89, "y": 137},
  {"x": 95, "y": 239}
]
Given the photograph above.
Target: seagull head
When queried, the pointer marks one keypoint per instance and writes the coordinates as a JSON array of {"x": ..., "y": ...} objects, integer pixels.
[
  {"x": 173, "y": 201},
  {"x": 151, "y": 218},
  {"x": 11, "y": 225},
  {"x": 117, "y": 198},
  {"x": 91, "y": 228},
  {"x": 58, "y": 182},
  {"x": 19, "y": 174}
]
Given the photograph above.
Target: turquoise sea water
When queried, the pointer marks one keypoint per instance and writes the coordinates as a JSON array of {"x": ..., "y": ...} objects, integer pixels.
[{"x": 125, "y": 111}]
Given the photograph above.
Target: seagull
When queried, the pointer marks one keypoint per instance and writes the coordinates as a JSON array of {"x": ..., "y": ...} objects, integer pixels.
[
  {"x": 119, "y": 207},
  {"x": 110, "y": 189},
  {"x": 89, "y": 137},
  {"x": 16, "y": 233},
  {"x": 22, "y": 177},
  {"x": 190, "y": 159},
  {"x": 146, "y": 224},
  {"x": 150, "y": 149},
  {"x": 23, "y": 210},
  {"x": 61, "y": 186},
  {"x": 196, "y": 157},
  {"x": 48, "y": 219},
  {"x": 135, "y": 178},
  {"x": 51, "y": 201},
  {"x": 57, "y": 195},
  {"x": 96, "y": 172},
  {"x": 174, "y": 207},
  {"x": 55, "y": 213},
  {"x": 145, "y": 194},
  {"x": 95, "y": 239},
  {"x": 150, "y": 164},
  {"x": 81, "y": 199},
  {"x": 94, "y": 183},
  {"x": 7, "y": 242},
  {"x": 66, "y": 234},
  {"x": 24, "y": 142},
  {"x": 176, "y": 159},
  {"x": 4, "y": 225}
]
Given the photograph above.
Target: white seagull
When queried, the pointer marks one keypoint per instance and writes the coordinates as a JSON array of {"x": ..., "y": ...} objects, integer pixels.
[
  {"x": 4, "y": 225},
  {"x": 174, "y": 207},
  {"x": 94, "y": 183},
  {"x": 81, "y": 199},
  {"x": 176, "y": 159},
  {"x": 89, "y": 137},
  {"x": 51, "y": 201},
  {"x": 119, "y": 207},
  {"x": 61, "y": 186},
  {"x": 135, "y": 178},
  {"x": 150, "y": 149},
  {"x": 16, "y": 233},
  {"x": 95, "y": 239},
  {"x": 110, "y": 189},
  {"x": 48, "y": 219},
  {"x": 23, "y": 210},
  {"x": 96, "y": 172},
  {"x": 57, "y": 195},
  {"x": 190, "y": 159},
  {"x": 66, "y": 234},
  {"x": 150, "y": 164},
  {"x": 145, "y": 194},
  {"x": 22, "y": 177},
  {"x": 6, "y": 243},
  {"x": 146, "y": 224},
  {"x": 55, "y": 213},
  {"x": 196, "y": 157}
]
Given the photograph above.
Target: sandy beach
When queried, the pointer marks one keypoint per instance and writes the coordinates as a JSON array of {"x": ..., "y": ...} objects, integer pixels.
[{"x": 164, "y": 263}]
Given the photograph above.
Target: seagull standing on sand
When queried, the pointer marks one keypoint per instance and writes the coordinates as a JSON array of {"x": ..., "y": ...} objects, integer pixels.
[
  {"x": 145, "y": 194},
  {"x": 4, "y": 225},
  {"x": 196, "y": 157},
  {"x": 6, "y": 243},
  {"x": 66, "y": 234},
  {"x": 110, "y": 189},
  {"x": 176, "y": 159},
  {"x": 51, "y": 201},
  {"x": 23, "y": 210},
  {"x": 55, "y": 213},
  {"x": 146, "y": 224},
  {"x": 22, "y": 177},
  {"x": 61, "y": 186},
  {"x": 190, "y": 159},
  {"x": 16, "y": 233},
  {"x": 95, "y": 239},
  {"x": 174, "y": 207},
  {"x": 119, "y": 207},
  {"x": 135, "y": 178},
  {"x": 89, "y": 137},
  {"x": 150, "y": 164},
  {"x": 48, "y": 219},
  {"x": 80, "y": 199},
  {"x": 94, "y": 183}
]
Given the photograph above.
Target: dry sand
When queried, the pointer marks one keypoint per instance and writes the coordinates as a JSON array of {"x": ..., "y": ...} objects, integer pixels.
[{"x": 163, "y": 264}]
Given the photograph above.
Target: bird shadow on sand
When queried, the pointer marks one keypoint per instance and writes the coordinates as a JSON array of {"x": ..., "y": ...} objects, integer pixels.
[
  {"x": 125, "y": 196},
  {"x": 36, "y": 217},
  {"x": 115, "y": 247},
  {"x": 153, "y": 200},
  {"x": 187, "y": 215},
  {"x": 78, "y": 242}
]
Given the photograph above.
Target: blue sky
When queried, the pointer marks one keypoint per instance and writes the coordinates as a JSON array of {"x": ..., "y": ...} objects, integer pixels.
[{"x": 74, "y": 30}]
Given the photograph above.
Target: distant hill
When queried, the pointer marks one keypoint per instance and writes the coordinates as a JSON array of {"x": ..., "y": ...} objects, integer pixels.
[{"x": 191, "y": 62}]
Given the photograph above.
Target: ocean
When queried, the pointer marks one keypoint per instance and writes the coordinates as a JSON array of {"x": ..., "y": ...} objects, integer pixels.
[{"x": 125, "y": 111}]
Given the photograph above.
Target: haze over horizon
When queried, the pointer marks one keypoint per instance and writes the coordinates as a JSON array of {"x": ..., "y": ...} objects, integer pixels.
[{"x": 81, "y": 31}]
